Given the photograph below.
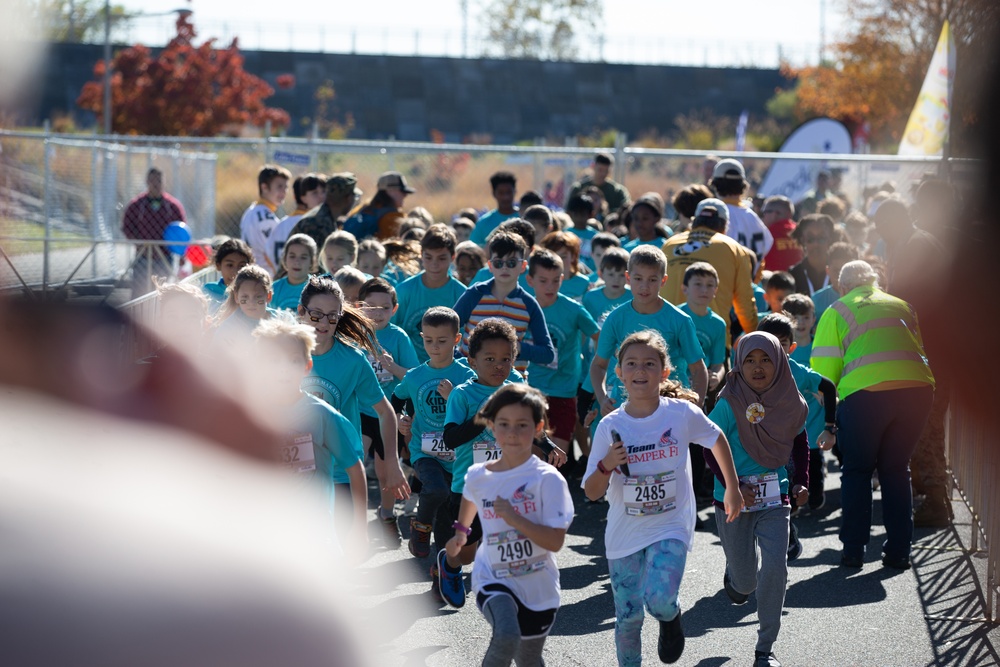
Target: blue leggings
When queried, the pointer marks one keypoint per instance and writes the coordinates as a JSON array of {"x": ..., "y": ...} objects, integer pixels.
[{"x": 649, "y": 578}]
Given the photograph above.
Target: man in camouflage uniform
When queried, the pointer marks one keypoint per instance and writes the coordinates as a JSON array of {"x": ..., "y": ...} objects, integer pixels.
[{"x": 341, "y": 195}]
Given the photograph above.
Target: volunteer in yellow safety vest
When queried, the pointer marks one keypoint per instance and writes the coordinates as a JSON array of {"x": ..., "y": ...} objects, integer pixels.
[{"x": 869, "y": 344}]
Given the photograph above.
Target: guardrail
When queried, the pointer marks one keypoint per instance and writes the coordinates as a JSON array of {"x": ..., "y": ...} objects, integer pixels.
[{"x": 975, "y": 466}]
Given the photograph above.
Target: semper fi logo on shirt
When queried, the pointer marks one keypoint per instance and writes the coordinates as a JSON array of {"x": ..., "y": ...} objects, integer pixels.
[
  {"x": 522, "y": 500},
  {"x": 664, "y": 449}
]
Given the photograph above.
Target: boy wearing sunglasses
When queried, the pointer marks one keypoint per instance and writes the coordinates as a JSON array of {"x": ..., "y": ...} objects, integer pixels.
[{"x": 502, "y": 297}]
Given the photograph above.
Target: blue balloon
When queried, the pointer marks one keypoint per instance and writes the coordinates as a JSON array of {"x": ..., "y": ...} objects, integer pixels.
[{"x": 177, "y": 231}]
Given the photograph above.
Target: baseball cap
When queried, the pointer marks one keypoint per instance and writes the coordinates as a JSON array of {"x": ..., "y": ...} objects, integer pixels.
[
  {"x": 723, "y": 167},
  {"x": 712, "y": 208},
  {"x": 342, "y": 184},
  {"x": 391, "y": 178},
  {"x": 652, "y": 200}
]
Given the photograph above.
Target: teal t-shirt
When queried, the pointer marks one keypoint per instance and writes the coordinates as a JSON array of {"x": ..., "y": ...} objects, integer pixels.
[
  {"x": 576, "y": 286},
  {"x": 393, "y": 340},
  {"x": 723, "y": 417},
  {"x": 415, "y": 299},
  {"x": 656, "y": 242},
  {"x": 669, "y": 321},
  {"x": 568, "y": 323},
  {"x": 286, "y": 295},
  {"x": 801, "y": 354},
  {"x": 586, "y": 235},
  {"x": 807, "y": 380},
  {"x": 487, "y": 223},
  {"x": 599, "y": 306},
  {"x": 823, "y": 299},
  {"x": 463, "y": 404},
  {"x": 759, "y": 300},
  {"x": 429, "y": 407},
  {"x": 335, "y": 442},
  {"x": 711, "y": 330},
  {"x": 216, "y": 293},
  {"x": 343, "y": 378}
]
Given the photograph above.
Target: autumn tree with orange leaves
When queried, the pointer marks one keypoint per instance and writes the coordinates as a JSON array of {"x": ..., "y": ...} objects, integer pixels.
[
  {"x": 875, "y": 73},
  {"x": 185, "y": 90}
]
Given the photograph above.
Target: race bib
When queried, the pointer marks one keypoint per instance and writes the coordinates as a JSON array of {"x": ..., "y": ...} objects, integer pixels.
[
  {"x": 297, "y": 454},
  {"x": 514, "y": 555},
  {"x": 484, "y": 452},
  {"x": 767, "y": 494},
  {"x": 383, "y": 376},
  {"x": 650, "y": 494},
  {"x": 432, "y": 444}
]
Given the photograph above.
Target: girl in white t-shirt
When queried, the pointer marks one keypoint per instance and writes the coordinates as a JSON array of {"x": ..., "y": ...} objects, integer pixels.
[
  {"x": 640, "y": 460},
  {"x": 525, "y": 509}
]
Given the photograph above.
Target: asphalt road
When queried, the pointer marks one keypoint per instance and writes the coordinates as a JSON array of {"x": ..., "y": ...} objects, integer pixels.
[{"x": 832, "y": 616}]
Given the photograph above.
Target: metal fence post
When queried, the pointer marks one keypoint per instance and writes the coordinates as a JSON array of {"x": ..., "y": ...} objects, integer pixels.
[
  {"x": 267, "y": 142},
  {"x": 47, "y": 185},
  {"x": 620, "y": 158}
]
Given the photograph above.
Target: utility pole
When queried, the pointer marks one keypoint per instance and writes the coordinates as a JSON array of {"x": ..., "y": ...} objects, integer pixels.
[
  {"x": 107, "y": 67},
  {"x": 465, "y": 27},
  {"x": 822, "y": 31}
]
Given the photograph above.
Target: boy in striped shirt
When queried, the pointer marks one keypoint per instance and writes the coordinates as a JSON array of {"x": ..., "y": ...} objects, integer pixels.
[{"x": 502, "y": 297}]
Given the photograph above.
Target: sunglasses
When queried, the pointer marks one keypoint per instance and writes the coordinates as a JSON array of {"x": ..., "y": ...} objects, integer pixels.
[
  {"x": 511, "y": 263},
  {"x": 317, "y": 315}
]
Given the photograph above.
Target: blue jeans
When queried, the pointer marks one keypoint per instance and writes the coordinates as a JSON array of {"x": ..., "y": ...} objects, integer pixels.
[
  {"x": 435, "y": 496},
  {"x": 650, "y": 578},
  {"x": 878, "y": 430}
]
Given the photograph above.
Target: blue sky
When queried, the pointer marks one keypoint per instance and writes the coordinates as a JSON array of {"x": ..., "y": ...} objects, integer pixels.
[{"x": 676, "y": 31}]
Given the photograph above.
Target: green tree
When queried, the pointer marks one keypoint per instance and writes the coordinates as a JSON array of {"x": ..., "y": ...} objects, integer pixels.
[
  {"x": 540, "y": 29},
  {"x": 77, "y": 20}
]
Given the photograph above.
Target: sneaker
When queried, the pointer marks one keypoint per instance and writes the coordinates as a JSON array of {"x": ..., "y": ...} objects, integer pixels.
[
  {"x": 420, "y": 539},
  {"x": 671, "y": 643},
  {"x": 794, "y": 545},
  {"x": 734, "y": 595},
  {"x": 765, "y": 659},
  {"x": 451, "y": 586},
  {"x": 853, "y": 562},
  {"x": 390, "y": 529}
]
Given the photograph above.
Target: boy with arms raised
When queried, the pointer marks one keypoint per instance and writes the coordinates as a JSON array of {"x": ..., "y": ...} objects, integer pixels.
[
  {"x": 259, "y": 220},
  {"x": 568, "y": 322},
  {"x": 434, "y": 286},
  {"x": 319, "y": 437},
  {"x": 501, "y": 296},
  {"x": 420, "y": 400},
  {"x": 647, "y": 269}
]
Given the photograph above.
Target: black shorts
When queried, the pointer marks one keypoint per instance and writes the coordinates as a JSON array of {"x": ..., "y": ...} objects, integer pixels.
[
  {"x": 532, "y": 623},
  {"x": 370, "y": 427},
  {"x": 477, "y": 528}
]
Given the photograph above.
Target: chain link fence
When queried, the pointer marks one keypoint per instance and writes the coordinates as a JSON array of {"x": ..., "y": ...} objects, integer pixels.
[{"x": 62, "y": 197}]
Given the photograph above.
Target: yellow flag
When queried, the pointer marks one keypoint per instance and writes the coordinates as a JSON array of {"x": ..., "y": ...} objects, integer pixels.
[{"x": 927, "y": 130}]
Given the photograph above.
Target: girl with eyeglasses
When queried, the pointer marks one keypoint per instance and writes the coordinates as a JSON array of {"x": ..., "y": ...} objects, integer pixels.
[{"x": 342, "y": 376}]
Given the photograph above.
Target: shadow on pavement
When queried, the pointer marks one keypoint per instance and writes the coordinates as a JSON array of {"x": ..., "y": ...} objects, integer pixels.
[{"x": 950, "y": 585}]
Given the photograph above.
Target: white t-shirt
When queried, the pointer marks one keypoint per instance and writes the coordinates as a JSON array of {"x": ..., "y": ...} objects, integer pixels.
[
  {"x": 538, "y": 492},
  {"x": 657, "y": 502},
  {"x": 255, "y": 229},
  {"x": 749, "y": 231}
]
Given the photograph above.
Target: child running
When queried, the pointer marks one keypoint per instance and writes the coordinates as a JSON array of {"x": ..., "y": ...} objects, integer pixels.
[
  {"x": 298, "y": 258},
  {"x": 342, "y": 376},
  {"x": 246, "y": 305},
  {"x": 396, "y": 356},
  {"x": 525, "y": 509},
  {"x": 639, "y": 458},
  {"x": 420, "y": 400},
  {"x": 231, "y": 256},
  {"x": 762, "y": 414}
]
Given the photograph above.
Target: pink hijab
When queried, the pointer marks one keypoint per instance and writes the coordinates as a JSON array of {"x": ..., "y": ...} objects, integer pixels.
[{"x": 767, "y": 422}]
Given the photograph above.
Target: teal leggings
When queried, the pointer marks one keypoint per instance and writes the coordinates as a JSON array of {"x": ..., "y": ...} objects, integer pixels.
[{"x": 650, "y": 578}]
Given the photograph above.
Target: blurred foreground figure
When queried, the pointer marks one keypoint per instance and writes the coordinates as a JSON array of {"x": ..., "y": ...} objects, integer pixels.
[{"x": 133, "y": 534}]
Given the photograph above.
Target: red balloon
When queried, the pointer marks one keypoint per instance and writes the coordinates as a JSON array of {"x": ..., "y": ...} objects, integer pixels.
[{"x": 197, "y": 255}]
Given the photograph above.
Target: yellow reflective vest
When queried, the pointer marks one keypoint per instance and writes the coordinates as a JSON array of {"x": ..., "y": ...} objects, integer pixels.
[{"x": 869, "y": 337}]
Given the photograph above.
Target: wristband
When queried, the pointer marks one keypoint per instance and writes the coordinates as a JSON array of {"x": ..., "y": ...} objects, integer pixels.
[
  {"x": 600, "y": 466},
  {"x": 463, "y": 529},
  {"x": 832, "y": 428}
]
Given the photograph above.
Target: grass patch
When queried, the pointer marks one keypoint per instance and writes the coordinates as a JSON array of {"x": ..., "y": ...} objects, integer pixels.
[{"x": 13, "y": 233}]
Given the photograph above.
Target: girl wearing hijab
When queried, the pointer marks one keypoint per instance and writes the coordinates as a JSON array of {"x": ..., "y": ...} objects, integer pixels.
[{"x": 762, "y": 415}]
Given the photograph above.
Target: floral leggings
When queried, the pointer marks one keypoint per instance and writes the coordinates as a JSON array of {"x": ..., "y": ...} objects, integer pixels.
[{"x": 648, "y": 578}]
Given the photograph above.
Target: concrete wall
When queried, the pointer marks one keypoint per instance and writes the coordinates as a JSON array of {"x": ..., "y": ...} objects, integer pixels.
[{"x": 508, "y": 100}]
